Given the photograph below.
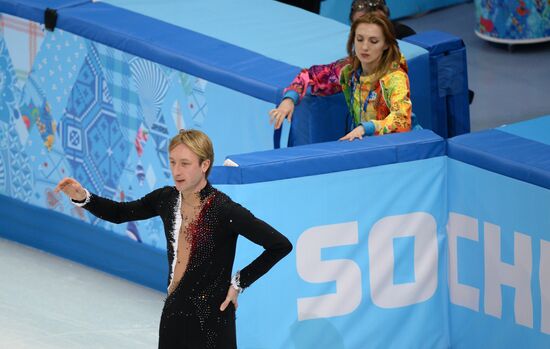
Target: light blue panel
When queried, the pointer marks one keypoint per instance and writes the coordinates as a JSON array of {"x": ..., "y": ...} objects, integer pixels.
[
  {"x": 280, "y": 31},
  {"x": 336, "y": 9},
  {"x": 267, "y": 27},
  {"x": 237, "y": 123},
  {"x": 537, "y": 129},
  {"x": 339, "y": 9},
  {"x": 364, "y": 196},
  {"x": 401, "y": 8},
  {"x": 514, "y": 206}
]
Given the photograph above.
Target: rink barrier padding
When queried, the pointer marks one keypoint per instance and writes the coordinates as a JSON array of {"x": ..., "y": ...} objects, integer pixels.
[
  {"x": 448, "y": 82},
  {"x": 504, "y": 153},
  {"x": 320, "y": 158}
]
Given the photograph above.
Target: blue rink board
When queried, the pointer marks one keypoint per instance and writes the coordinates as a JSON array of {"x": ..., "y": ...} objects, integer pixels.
[
  {"x": 329, "y": 157},
  {"x": 498, "y": 183},
  {"x": 359, "y": 199},
  {"x": 322, "y": 185},
  {"x": 517, "y": 209},
  {"x": 504, "y": 153}
]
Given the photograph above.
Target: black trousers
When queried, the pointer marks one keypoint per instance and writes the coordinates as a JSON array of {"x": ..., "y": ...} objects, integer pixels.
[{"x": 181, "y": 327}]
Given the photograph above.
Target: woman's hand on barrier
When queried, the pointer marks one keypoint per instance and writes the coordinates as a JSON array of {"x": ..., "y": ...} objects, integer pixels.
[
  {"x": 284, "y": 110},
  {"x": 357, "y": 132},
  {"x": 71, "y": 188}
]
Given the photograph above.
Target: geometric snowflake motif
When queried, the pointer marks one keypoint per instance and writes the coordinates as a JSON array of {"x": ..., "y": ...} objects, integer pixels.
[
  {"x": 91, "y": 136},
  {"x": 160, "y": 134},
  {"x": 20, "y": 170},
  {"x": 3, "y": 173}
]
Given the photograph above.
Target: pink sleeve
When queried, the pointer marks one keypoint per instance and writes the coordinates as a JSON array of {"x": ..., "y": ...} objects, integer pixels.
[{"x": 323, "y": 80}]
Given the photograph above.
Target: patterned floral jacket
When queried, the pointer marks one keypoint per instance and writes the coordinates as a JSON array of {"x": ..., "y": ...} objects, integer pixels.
[{"x": 385, "y": 102}]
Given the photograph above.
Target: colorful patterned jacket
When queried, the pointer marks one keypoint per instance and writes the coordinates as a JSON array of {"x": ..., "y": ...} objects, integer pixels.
[{"x": 388, "y": 108}]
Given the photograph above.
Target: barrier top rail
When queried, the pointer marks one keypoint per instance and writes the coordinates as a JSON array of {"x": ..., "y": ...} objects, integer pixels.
[
  {"x": 519, "y": 151},
  {"x": 321, "y": 158}
]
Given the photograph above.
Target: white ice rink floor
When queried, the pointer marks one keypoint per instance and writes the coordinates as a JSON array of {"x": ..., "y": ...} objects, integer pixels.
[{"x": 49, "y": 302}]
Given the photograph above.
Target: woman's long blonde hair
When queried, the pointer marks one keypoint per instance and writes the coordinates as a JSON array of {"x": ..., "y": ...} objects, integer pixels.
[{"x": 389, "y": 57}]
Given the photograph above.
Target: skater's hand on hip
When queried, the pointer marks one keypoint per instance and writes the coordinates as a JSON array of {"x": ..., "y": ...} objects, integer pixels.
[{"x": 232, "y": 295}]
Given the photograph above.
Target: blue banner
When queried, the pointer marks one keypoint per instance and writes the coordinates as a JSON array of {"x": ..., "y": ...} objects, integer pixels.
[
  {"x": 499, "y": 260},
  {"x": 367, "y": 269}
]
